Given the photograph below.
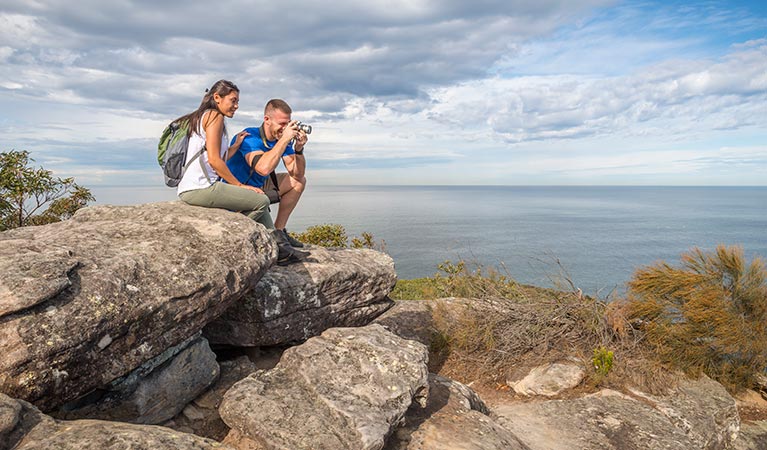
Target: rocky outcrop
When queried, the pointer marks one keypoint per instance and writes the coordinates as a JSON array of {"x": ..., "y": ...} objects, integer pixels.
[
  {"x": 455, "y": 418},
  {"x": 334, "y": 288},
  {"x": 410, "y": 319},
  {"x": 156, "y": 391},
  {"x": 699, "y": 414},
  {"x": 345, "y": 389},
  {"x": 24, "y": 427},
  {"x": 87, "y": 300},
  {"x": 752, "y": 436},
  {"x": 702, "y": 409},
  {"x": 201, "y": 416}
]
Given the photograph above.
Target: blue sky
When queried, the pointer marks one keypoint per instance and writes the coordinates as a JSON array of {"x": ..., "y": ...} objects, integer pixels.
[{"x": 402, "y": 92}]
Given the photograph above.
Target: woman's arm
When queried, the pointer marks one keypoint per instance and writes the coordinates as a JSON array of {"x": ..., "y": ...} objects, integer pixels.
[
  {"x": 213, "y": 123},
  {"x": 236, "y": 145}
]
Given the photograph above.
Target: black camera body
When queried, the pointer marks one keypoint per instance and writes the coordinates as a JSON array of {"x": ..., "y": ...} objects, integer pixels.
[{"x": 304, "y": 127}]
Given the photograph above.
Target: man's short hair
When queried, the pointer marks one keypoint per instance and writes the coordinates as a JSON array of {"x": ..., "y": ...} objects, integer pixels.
[{"x": 276, "y": 103}]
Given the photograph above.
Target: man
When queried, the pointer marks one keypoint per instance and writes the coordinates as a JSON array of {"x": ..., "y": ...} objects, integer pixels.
[{"x": 277, "y": 138}]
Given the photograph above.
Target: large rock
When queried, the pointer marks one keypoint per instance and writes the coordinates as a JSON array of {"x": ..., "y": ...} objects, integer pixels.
[
  {"x": 345, "y": 389},
  {"x": 410, "y": 319},
  {"x": 697, "y": 414},
  {"x": 334, "y": 288},
  {"x": 702, "y": 409},
  {"x": 201, "y": 416},
  {"x": 24, "y": 427},
  {"x": 606, "y": 420},
  {"x": 156, "y": 391},
  {"x": 549, "y": 379},
  {"x": 455, "y": 418},
  {"x": 89, "y": 299}
]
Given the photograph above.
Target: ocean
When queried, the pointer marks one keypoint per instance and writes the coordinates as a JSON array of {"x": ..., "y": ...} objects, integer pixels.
[{"x": 594, "y": 236}]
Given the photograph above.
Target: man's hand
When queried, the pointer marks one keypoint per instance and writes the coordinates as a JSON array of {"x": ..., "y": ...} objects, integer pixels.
[
  {"x": 301, "y": 140},
  {"x": 289, "y": 132}
]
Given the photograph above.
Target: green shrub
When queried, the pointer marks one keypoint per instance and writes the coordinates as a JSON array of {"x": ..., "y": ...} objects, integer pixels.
[
  {"x": 709, "y": 315},
  {"x": 334, "y": 235},
  {"x": 455, "y": 280},
  {"x": 602, "y": 361},
  {"x": 327, "y": 235}
]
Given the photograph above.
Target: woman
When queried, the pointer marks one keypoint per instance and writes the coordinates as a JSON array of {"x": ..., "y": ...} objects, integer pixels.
[{"x": 201, "y": 185}]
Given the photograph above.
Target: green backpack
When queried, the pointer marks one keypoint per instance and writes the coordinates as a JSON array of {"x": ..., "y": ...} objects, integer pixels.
[{"x": 171, "y": 153}]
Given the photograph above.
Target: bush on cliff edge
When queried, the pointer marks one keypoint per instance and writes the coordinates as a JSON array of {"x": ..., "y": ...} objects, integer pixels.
[
  {"x": 334, "y": 235},
  {"x": 707, "y": 316}
]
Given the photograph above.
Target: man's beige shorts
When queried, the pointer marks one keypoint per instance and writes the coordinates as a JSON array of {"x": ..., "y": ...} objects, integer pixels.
[{"x": 269, "y": 185}]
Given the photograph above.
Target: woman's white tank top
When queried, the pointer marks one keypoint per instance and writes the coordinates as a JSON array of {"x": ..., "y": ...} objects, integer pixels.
[{"x": 194, "y": 177}]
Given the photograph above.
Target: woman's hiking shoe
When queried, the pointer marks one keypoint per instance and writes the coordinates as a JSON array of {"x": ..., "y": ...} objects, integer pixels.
[
  {"x": 294, "y": 242},
  {"x": 286, "y": 254}
]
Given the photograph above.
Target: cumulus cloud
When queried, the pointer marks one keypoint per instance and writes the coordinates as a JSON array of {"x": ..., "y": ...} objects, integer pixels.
[
  {"x": 424, "y": 88},
  {"x": 119, "y": 53},
  {"x": 673, "y": 97}
]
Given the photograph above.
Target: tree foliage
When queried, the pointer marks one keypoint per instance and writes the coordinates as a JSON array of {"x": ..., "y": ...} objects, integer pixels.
[
  {"x": 34, "y": 196},
  {"x": 708, "y": 315}
]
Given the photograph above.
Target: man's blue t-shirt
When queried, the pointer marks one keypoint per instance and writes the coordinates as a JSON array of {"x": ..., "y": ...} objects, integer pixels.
[{"x": 238, "y": 165}]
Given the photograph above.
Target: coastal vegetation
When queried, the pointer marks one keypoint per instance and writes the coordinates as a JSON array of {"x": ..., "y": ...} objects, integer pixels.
[
  {"x": 706, "y": 316},
  {"x": 34, "y": 196},
  {"x": 334, "y": 235}
]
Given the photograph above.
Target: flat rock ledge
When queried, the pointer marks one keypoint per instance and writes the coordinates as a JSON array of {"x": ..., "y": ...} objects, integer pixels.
[
  {"x": 697, "y": 414},
  {"x": 87, "y": 300},
  {"x": 24, "y": 427},
  {"x": 334, "y": 288},
  {"x": 455, "y": 418},
  {"x": 346, "y": 389}
]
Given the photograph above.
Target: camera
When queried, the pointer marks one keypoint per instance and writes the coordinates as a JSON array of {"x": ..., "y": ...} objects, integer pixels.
[{"x": 304, "y": 127}]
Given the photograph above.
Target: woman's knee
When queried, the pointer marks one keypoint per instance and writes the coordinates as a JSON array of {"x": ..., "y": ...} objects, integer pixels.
[{"x": 259, "y": 202}]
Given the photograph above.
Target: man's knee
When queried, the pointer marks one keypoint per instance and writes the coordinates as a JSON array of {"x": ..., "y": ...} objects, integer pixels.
[{"x": 298, "y": 184}]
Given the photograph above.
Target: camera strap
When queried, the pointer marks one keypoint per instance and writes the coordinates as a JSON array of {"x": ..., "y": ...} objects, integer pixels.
[{"x": 263, "y": 137}]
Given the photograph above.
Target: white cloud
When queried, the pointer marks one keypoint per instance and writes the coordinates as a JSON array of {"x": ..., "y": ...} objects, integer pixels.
[
  {"x": 423, "y": 91},
  {"x": 669, "y": 99}
]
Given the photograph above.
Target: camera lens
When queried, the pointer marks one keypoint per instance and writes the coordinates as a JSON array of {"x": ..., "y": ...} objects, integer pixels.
[{"x": 304, "y": 127}]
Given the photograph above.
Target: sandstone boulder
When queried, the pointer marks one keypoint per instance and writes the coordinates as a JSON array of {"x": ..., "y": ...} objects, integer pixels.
[
  {"x": 88, "y": 300},
  {"x": 156, "y": 391},
  {"x": 346, "y": 389},
  {"x": 410, "y": 319},
  {"x": 334, "y": 288}
]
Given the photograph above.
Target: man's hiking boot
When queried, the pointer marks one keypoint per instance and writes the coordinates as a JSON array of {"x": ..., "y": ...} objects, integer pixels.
[
  {"x": 292, "y": 241},
  {"x": 286, "y": 254}
]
